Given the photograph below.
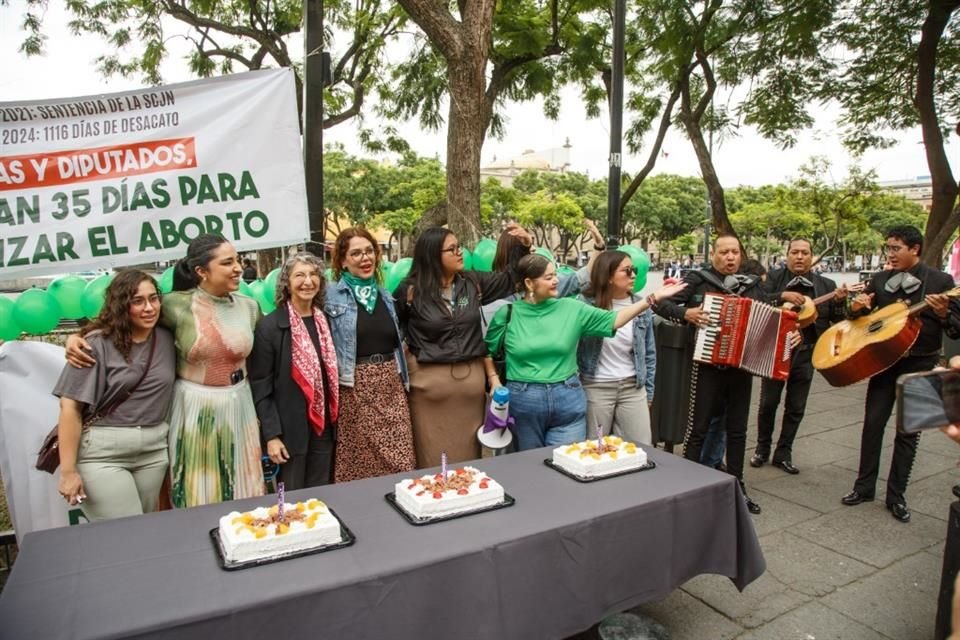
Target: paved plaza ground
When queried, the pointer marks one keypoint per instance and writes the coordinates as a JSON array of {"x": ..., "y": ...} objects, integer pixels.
[{"x": 833, "y": 572}]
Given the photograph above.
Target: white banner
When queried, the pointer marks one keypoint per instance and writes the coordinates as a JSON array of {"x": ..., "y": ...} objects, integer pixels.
[
  {"x": 132, "y": 177},
  {"x": 28, "y": 371}
]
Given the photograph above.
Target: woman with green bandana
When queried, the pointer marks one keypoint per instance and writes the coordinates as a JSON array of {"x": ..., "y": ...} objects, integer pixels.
[{"x": 374, "y": 436}]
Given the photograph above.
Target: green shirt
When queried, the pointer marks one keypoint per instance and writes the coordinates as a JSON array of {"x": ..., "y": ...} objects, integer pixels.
[{"x": 542, "y": 339}]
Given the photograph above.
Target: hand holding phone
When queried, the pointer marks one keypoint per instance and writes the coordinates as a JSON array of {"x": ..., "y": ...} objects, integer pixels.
[{"x": 928, "y": 400}]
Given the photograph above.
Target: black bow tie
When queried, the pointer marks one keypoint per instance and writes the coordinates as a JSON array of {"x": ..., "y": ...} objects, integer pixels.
[
  {"x": 799, "y": 281},
  {"x": 736, "y": 282},
  {"x": 904, "y": 281}
]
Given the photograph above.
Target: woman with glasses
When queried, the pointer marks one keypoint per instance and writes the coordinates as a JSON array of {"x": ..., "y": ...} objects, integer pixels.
[
  {"x": 546, "y": 397},
  {"x": 293, "y": 372},
  {"x": 439, "y": 310},
  {"x": 374, "y": 437},
  {"x": 618, "y": 372},
  {"x": 115, "y": 465},
  {"x": 215, "y": 453}
]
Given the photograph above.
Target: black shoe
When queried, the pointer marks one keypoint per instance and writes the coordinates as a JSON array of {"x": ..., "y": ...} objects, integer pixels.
[
  {"x": 752, "y": 506},
  {"x": 787, "y": 466},
  {"x": 758, "y": 460},
  {"x": 854, "y": 498},
  {"x": 721, "y": 467},
  {"x": 899, "y": 511}
]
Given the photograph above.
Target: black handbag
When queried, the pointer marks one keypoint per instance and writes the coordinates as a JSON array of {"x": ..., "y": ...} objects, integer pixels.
[
  {"x": 500, "y": 356},
  {"x": 48, "y": 458}
]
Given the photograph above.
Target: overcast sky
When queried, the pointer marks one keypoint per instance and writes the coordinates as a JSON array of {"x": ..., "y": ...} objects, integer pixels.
[{"x": 68, "y": 69}]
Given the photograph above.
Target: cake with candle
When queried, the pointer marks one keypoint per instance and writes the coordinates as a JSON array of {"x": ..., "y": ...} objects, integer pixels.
[
  {"x": 601, "y": 457},
  {"x": 266, "y": 532},
  {"x": 442, "y": 494}
]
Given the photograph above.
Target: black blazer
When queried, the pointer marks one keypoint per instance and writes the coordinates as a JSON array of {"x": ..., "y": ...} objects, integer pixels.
[
  {"x": 281, "y": 406},
  {"x": 827, "y": 313}
]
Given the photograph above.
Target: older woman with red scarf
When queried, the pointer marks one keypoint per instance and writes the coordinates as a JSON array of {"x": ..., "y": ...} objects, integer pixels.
[{"x": 293, "y": 372}]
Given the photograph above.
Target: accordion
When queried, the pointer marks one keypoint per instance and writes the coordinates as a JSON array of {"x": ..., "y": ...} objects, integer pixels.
[{"x": 746, "y": 334}]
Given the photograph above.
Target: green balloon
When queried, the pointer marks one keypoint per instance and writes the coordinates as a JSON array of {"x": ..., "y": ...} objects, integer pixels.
[
  {"x": 245, "y": 289},
  {"x": 546, "y": 253},
  {"x": 67, "y": 290},
  {"x": 328, "y": 274},
  {"x": 271, "y": 280},
  {"x": 467, "y": 260},
  {"x": 9, "y": 329},
  {"x": 266, "y": 297},
  {"x": 641, "y": 261},
  {"x": 93, "y": 295},
  {"x": 400, "y": 270},
  {"x": 483, "y": 255},
  {"x": 385, "y": 268},
  {"x": 166, "y": 280},
  {"x": 36, "y": 311}
]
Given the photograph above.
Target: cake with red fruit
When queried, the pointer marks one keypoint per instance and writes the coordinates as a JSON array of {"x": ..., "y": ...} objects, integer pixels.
[
  {"x": 264, "y": 533},
  {"x": 462, "y": 490},
  {"x": 594, "y": 459}
]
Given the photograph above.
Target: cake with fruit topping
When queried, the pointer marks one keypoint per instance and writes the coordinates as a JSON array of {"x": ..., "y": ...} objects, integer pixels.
[
  {"x": 263, "y": 533},
  {"x": 465, "y": 489},
  {"x": 593, "y": 459}
]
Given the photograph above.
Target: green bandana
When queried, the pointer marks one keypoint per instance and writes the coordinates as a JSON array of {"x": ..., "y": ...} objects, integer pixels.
[{"x": 364, "y": 290}]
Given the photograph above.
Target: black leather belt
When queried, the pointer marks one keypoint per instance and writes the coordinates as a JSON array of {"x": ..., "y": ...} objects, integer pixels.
[{"x": 376, "y": 358}]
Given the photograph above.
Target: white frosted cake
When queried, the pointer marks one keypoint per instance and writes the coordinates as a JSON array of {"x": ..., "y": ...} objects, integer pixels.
[
  {"x": 465, "y": 489},
  {"x": 261, "y": 533},
  {"x": 590, "y": 460}
]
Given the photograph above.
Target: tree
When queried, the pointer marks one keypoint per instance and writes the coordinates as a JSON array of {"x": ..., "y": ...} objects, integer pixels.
[
  {"x": 904, "y": 72},
  {"x": 549, "y": 217}
]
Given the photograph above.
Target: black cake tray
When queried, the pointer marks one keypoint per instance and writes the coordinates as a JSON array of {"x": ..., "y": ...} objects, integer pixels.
[
  {"x": 347, "y": 539},
  {"x": 646, "y": 467},
  {"x": 508, "y": 501}
]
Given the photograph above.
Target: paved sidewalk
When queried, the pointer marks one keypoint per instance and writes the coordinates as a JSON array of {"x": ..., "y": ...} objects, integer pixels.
[{"x": 833, "y": 572}]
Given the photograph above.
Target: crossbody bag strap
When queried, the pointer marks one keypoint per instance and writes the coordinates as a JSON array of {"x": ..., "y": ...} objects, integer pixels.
[{"x": 119, "y": 401}]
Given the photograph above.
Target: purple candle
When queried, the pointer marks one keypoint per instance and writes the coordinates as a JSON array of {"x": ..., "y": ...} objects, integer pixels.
[
  {"x": 280, "y": 501},
  {"x": 443, "y": 465}
]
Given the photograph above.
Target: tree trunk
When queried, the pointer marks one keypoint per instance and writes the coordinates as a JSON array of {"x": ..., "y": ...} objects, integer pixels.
[
  {"x": 944, "y": 216},
  {"x": 465, "y": 131}
]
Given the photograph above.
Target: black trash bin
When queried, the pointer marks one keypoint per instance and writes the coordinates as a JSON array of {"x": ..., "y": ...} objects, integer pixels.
[{"x": 671, "y": 400}]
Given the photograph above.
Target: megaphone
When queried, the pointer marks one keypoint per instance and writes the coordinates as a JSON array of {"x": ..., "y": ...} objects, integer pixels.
[{"x": 495, "y": 433}]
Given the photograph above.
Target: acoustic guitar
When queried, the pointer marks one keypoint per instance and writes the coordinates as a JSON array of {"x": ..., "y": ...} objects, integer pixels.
[
  {"x": 807, "y": 312},
  {"x": 853, "y": 350}
]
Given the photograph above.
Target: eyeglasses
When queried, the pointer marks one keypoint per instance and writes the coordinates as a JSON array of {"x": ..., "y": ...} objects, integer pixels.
[
  {"x": 457, "y": 249},
  {"x": 630, "y": 271},
  {"x": 140, "y": 302},
  {"x": 358, "y": 254}
]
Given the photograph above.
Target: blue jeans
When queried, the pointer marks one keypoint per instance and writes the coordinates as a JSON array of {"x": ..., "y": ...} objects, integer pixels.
[
  {"x": 714, "y": 443},
  {"x": 548, "y": 414}
]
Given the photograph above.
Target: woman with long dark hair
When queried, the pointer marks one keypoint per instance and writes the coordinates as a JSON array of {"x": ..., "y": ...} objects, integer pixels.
[
  {"x": 546, "y": 397},
  {"x": 439, "y": 311},
  {"x": 374, "y": 437},
  {"x": 618, "y": 372},
  {"x": 293, "y": 372},
  {"x": 214, "y": 438},
  {"x": 115, "y": 464}
]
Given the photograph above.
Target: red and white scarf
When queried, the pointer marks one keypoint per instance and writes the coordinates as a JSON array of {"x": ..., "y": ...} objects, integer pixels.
[{"x": 306, "y": 369}]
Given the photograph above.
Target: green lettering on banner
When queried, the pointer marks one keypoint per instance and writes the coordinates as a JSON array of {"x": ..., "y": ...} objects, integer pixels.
[
  {"x": 65, "y": 246},
  {"x": 104, "y": 246},
  {"x": 16, "y": 258},
  {"x": 43, "y": 250},
  {"x": 148, "y": 239},
  {"x": 203, "y": 189},
  {"x": 25, "y": 250},
  {"x": 264, "y": 223},
  {"x": 247, "y": 188},
  {"x": 214, "y": 224},
  {"x": 24, "y": 209},
  {"x": 168, "y": 231},
  {"x": 234, "y": 218},
  {"x": 162, "y": 197}
]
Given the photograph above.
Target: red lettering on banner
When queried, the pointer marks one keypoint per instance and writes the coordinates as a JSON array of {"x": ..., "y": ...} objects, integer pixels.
[{"x": 101, "y": 163}]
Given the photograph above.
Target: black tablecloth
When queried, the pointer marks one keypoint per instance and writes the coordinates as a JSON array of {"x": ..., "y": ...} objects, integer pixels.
[{"x": 559, "y": 560}]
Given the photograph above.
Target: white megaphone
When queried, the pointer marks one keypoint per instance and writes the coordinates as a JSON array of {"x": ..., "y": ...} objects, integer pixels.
[{"x": 495, "y": 433}]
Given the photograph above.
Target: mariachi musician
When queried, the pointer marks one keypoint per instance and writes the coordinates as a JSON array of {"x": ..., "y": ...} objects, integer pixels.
[
  {"x": 910, "y": 281},
  {"x": 795, "y": 284},
  {"x": 719, "y": 390}
]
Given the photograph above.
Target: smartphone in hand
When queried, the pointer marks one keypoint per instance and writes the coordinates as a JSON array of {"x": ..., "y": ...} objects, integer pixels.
[{"x": 928, "y": 400}]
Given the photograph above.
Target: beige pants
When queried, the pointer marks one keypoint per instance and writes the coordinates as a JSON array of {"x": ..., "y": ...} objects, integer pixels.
[
  {"x": 618, "y": 406},
  {"x": 122, "y": 469}
]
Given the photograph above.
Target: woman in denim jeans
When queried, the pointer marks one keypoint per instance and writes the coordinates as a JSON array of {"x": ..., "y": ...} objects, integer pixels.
[
  {"x": 618, "y": 372},
  {"x": 374, "y": 436},
  {"x": 541, "y": 337}
]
